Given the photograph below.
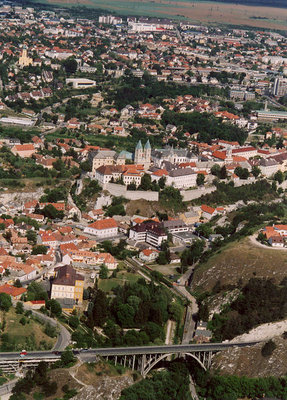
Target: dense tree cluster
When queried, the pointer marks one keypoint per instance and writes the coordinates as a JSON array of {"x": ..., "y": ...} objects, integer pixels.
[
  {"x": 215, "y": 387},
  {"x": 165, "y": 385},
  {"x": 141, "y": 308},
  {"x": 228, "y": 194},
  {"x": 201, "y": 122},
  {"x": 132, "y": 90},
  {"x": 260, "y": 301}
]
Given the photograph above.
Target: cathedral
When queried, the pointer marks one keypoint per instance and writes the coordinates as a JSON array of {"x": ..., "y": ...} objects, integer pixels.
[{"x": 143, "y": 154}]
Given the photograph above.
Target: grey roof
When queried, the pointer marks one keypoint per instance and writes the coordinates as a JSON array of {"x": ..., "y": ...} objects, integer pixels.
[
  {"x": 174, "y": 223},
  {"x": 139, "y": 145},
  {"x": 190, "y": 214},
  {"x": 147, "y": 145},
  {"x": 267, "y": 162},
  {"x": 181, "y": 172}
]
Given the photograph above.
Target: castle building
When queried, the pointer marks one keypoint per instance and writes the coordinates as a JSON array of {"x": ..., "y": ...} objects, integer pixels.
[{"x": 143, "y": 154}]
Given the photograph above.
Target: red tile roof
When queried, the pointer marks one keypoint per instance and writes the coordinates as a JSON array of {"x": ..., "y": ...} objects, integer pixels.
[{"x": 104, "y": 224}]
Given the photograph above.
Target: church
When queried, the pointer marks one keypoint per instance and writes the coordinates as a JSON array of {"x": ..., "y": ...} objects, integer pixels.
[{"x": 143, "y": 154}]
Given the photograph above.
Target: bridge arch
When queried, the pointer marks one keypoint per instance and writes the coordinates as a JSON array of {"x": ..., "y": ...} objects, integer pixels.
[{"x": 163, "y": 356}]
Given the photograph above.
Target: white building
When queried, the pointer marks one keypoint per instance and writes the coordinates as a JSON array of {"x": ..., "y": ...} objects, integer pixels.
[
  {"x": 182, "y": 178},
  {"x": 105, "y": 228},
  {"x": 80, "y": 83}
]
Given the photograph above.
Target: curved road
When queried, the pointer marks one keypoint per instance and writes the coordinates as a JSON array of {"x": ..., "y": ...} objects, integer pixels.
[{"x": 64, "y": 337}]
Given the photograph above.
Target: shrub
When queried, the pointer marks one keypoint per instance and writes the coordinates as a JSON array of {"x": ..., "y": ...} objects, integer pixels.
[{"x": 268, "y": 348}]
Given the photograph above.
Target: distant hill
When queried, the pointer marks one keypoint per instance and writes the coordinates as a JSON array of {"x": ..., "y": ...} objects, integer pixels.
[{"x": 262, "y": 3}]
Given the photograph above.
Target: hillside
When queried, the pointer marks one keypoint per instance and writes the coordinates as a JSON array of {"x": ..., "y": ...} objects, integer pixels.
[
  {"x": 240, "y": 260},
  {"x": 248, "y": 361},
  {"x": 259, "y": 3}
]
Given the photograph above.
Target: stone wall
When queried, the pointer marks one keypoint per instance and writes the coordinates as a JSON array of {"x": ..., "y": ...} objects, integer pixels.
[
  {"x": 189, "y": 195},
  {"x": 121, "y": 190}
]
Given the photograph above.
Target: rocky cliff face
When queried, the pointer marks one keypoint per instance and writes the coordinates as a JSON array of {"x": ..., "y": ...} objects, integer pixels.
[
  {"x": 19, "y": 198},
  {"x": 105, "y": 388},
  {"x": 248, "y": 361}
]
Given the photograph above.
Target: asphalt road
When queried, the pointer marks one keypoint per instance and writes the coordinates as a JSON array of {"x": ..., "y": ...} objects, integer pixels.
[
  {"x": 174, "y": 349},
  {"x": 64, "y": 337},
  {"x": 118, "y": 351}
]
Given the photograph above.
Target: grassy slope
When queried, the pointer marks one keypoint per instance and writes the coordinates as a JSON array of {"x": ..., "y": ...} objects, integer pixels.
[
  {"x": 19, "y": 333},
  {"x": 122, "y": 277},
  {"x": 240, "y": 260}
]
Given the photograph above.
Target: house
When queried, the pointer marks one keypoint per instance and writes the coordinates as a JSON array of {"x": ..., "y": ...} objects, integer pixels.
[
  {"x": 35, "y": 304},
  {"x": 13, "y": 291},
  {"x": 148, "y": 255},
  {"x": 24, "y": 150},
  {"x": 67, "y": 284},
  {"x": 190, "y": 217},
  {"x": 276, "y": 241},
  {"x": 104, "y": 228},
  {"x": 207, "y": 212},
  {"x": 202, "y": 334}
]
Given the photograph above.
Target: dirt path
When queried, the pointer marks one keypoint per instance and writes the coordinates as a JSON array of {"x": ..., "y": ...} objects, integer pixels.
[
  {"x": 169, "y": 332},
  {"x": 73, "y": 372}
]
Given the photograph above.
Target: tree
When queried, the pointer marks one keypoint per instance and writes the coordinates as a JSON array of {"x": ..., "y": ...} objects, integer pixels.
[
  {"x": 215, "y": 170},
  {"x": 268, "y": 348},
  {"x": 200, "y": 179},
  {"x": 161, "y": 182},
  {"x": 54, "y": 306},
  {"x": 99, "y": 312},
  {"x": 17, "y": 283},
  {"x": 39, "y": 249},
  {"x": 175, "y": 311},
  {"x": 125, "y": 315},
  {"x": 171, "y": 198},
  {"x": 67, "y": 357},
  {"x": 103, "y": 272},
  {"x": 5, "y": 302},
  {"x": 31, "y": 236},
  {"x": 145, "y": 182},
  {"x": 70, "y": 65},
  {"x": 74, "y": 321},
  {"x": 19, "y": 307},
  {"x": 51, "y": 212},
  {"x": 242, "y": 173},
  {"x": 256, "y": 171},
  {"x": 279, "y": 177}
]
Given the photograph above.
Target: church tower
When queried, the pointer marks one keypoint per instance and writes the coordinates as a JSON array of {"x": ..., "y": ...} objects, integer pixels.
[
  {"x": 139, "y": 153},
  {"x": 143, "y": 155},
  {"x": 147, "y": 155}
]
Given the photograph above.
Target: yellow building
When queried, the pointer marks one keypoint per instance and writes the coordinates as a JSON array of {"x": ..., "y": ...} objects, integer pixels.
[
  {"x": 106, "y": 157},
  {"x": 190, "y": 217},
  {"x": 67, "y": 287},
  {"x": 24, "y": 60}
]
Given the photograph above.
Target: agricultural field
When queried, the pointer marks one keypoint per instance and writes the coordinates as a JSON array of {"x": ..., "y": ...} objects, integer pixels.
[{"x": 195, "y": 11}]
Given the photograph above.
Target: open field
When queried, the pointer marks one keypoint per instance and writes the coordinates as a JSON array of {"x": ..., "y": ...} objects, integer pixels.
[
  {"x": 240, "y": 260},
  {"x": 122, "y": 277},
  {"x": 194, "y": 11}
]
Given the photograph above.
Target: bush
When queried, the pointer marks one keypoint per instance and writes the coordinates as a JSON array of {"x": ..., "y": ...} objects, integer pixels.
[
  {"x": 268, "y": 348},
  {"x": 50, "y": 330},
  {"x": 19, "y": 308}
]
